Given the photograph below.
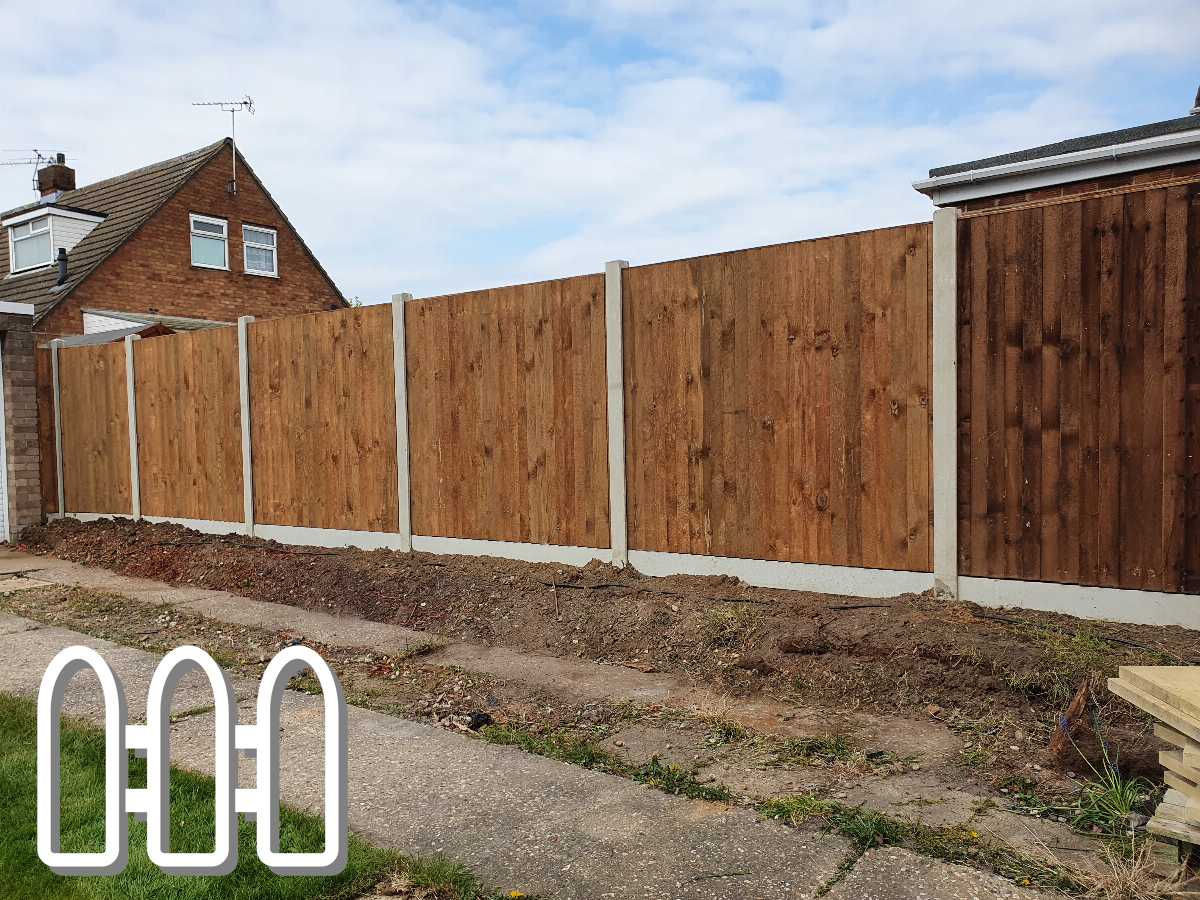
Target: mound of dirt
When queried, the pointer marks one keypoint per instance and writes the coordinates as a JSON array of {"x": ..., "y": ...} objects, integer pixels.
[{"x": 913, "y": 650}]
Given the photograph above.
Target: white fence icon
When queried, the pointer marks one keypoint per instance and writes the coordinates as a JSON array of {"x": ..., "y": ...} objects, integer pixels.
[{"x": 261, "y": 739}]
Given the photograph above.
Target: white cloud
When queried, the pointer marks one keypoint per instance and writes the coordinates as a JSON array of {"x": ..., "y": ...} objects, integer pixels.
[{"x": 433, "y": 147}]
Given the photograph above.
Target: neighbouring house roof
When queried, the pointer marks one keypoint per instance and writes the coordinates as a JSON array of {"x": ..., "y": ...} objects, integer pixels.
[
  {"x": 175, "y": 323},
  {"x": 1091, "y": 156},
  {"x": 127, "y": 202},
  {"x": 116, "y": 334}
]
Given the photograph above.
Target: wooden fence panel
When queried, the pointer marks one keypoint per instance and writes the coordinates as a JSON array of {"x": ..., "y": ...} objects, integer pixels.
[
  {"x": 323, "y": 420},
  {"x": 95, "y": 425},
  {"x": 48, "y": 454},
  {"x": 1074, "y": 357},
  {"x": 189, "y": 425},
  {"x": 777, "y": 402},
  {"x": 507, "y": 414}
]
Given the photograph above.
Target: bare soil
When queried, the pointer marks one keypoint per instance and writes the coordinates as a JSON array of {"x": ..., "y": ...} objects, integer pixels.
[{"x": 953, "y": 661}]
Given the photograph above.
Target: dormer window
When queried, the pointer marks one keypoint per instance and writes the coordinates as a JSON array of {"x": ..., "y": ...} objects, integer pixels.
[
  {"x": 210, "y": 242},
  {"x": 30, "y": 244}
]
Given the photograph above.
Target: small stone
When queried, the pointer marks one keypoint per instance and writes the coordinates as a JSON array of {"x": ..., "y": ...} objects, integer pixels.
[{"x": 933, "y": 709}]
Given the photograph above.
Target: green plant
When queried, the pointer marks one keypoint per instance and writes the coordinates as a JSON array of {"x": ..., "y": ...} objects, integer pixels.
[
  {"x": 674, "y": 780},
  {"x": 828, "y": 748},
  {"x": 728, "y": 732}
]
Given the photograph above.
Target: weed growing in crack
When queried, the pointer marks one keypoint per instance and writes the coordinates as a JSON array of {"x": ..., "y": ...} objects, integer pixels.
[
  {"x": 805, "y": 750},
  {"x": 579, "y": 751},
  {"x": 870, "y": 828}
]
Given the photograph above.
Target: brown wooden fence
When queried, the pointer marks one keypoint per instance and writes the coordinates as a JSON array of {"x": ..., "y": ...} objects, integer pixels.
[
  {"x": 778, "y": 402},
  {"x": 776, "y": 408},
  {"x": 506, "y": 401},
  {"x": 1079, "y": 328}
]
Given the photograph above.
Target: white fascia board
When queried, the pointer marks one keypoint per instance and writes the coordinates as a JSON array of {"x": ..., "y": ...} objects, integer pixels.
[
  {"x": 50, "y": 210},
  {"x": 19, "y": 309},
  {"x": 1083, "y": 165}
]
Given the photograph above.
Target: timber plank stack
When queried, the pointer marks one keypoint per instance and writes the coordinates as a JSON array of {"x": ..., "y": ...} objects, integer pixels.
[{"x": 1171, "y": 694}]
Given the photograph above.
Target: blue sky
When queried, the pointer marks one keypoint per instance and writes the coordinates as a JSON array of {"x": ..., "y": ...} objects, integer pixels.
[{"x": 432, "y": 147}]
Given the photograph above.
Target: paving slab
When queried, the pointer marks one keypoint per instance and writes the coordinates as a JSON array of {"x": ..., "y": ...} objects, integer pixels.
[
  {"x": 518, "y": 821},
  {"x": 24, "y": 656},
  {"x": 890, "y": 873}
]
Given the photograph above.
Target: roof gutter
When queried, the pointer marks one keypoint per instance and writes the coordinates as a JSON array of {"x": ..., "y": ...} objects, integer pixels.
[{"x": 1082, "y": 165}]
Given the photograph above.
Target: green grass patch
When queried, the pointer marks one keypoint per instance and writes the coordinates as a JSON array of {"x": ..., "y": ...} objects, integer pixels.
[
  {"x": 23, "y": 875},
  {"x": 579, "y": 751},
  {"x": 869, "y": 828},
  {"x": 805, "y": 750}
]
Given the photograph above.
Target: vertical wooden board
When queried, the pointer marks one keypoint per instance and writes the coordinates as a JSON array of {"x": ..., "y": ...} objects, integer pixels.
[
  {"x": 95, "y": 424},
  {"x": 1030, "y": 466},
  {"x": 854, "y": 424},
  {"x": 897, "y": 535},
  {"x": 1111, "y": 273},
  {"x": 1014, "y": 336},
  {"x": 1092, "y": 237},
  {"x": 1149, "y": 465},
  {"x": 47, "y": 454},
  {"x": 1175, "y": 356},
  {"x": 966, "y": 332},
  {"x": 821, "y": 273},
  {"x": 1068, "y": 269},
  {"x": 1191, "y": 415},
  {"x": 189, "y": 425},
  {"x": 323, "y": 420},
  {"x": 981, "y": 391},
  {"x": 1050, "y": 426},
  {"x": 840, "y": 361},
  {"x": 508, "y": 440},
  {"x": 996, "y": 554},
  {"x": 917, "y": 379},
  {"x": 1131, "y": 513}
]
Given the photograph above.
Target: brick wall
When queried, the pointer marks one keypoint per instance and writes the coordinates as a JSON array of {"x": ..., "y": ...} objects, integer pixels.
[
  {"x": 20, "y": 423},
  {"x": 152, "y": 272}
]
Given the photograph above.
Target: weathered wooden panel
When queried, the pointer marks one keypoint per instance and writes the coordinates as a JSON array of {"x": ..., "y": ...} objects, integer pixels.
[
  {"x": 323, "y": 420},
  {"x": 48, "y": 458},
  {"x": 95, "y": 425},
  {"x": 507, "y": 415},
  {"x": 777, "y": 402},
  {"x": 1078, "y": 340},
  {"x": 189, "y": 425}
]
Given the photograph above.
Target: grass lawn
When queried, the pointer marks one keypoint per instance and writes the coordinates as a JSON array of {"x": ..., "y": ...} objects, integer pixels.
[{"x": 23, "y": 875}]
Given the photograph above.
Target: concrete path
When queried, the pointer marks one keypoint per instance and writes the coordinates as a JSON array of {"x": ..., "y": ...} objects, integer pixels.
[{"x": 518, "y": 821}]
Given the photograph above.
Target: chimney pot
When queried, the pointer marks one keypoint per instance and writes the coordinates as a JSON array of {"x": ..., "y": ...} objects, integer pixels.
[
  {"x": 62, "y": 265},
  {"x": 56, "y": 178}
]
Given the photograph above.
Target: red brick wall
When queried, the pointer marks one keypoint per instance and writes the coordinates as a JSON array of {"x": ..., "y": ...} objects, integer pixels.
[
  {"x": 153, "y": 272},
  {"x": 20, "y": 423}
]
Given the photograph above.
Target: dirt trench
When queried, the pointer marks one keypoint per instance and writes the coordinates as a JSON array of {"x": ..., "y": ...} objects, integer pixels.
[{"x": 953, "y": 661}]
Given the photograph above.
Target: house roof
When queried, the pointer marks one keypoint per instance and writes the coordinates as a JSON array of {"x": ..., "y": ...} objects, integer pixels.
[
  {"x": 126, "y": 200},
  {"x": 1075, "y": 145},
  {"x": 175, "y": 323}
]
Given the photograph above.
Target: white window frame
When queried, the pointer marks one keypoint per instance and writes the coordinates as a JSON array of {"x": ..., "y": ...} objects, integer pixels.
[
  {"x": 13, "y": 239},
  {"x": 193, "y": 218},
  {"x": 274, "y": 248}
]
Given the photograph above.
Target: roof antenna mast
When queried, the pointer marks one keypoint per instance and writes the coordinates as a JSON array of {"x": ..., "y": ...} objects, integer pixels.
[
  {"x": 233, "y": 107},
  {"x": 37, "y": 160}
]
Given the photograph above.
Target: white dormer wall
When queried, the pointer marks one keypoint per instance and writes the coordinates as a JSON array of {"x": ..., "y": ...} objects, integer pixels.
[
  {"x": 67, "y": 227},
  {"x": 69, "y": 232}
]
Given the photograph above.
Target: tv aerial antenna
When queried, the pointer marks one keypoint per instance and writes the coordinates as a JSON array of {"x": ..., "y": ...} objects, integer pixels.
[
  {"x": 233, "y": 107},
  {"x": 37, "y": 160}
]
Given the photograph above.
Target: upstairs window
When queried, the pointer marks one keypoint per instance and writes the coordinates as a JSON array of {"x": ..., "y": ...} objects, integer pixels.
[
  {"x": 30, "y": 244},
  {"x": 259, "y": 248},
  {"x": 210, "y": 242}
]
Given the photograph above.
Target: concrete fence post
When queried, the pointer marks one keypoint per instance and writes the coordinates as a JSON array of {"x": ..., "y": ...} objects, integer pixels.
[
  {"x": 403, "y": 473},
  {"x": 135, "y": 477},
  {"x": 945, "y": 401},
  {"x": 614, "y": 360},
  {"x": 55, "y": 345},
  {"x": 244, "y": 394}
]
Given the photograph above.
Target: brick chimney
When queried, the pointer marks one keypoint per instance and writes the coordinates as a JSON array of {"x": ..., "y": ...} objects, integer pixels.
[{"x": 56, "y": 178}]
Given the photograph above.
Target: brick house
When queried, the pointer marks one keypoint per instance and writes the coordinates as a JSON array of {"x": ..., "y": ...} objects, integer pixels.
[
  {"x": 171, "y": 243},
  {"x": 190, "y": 242}
]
